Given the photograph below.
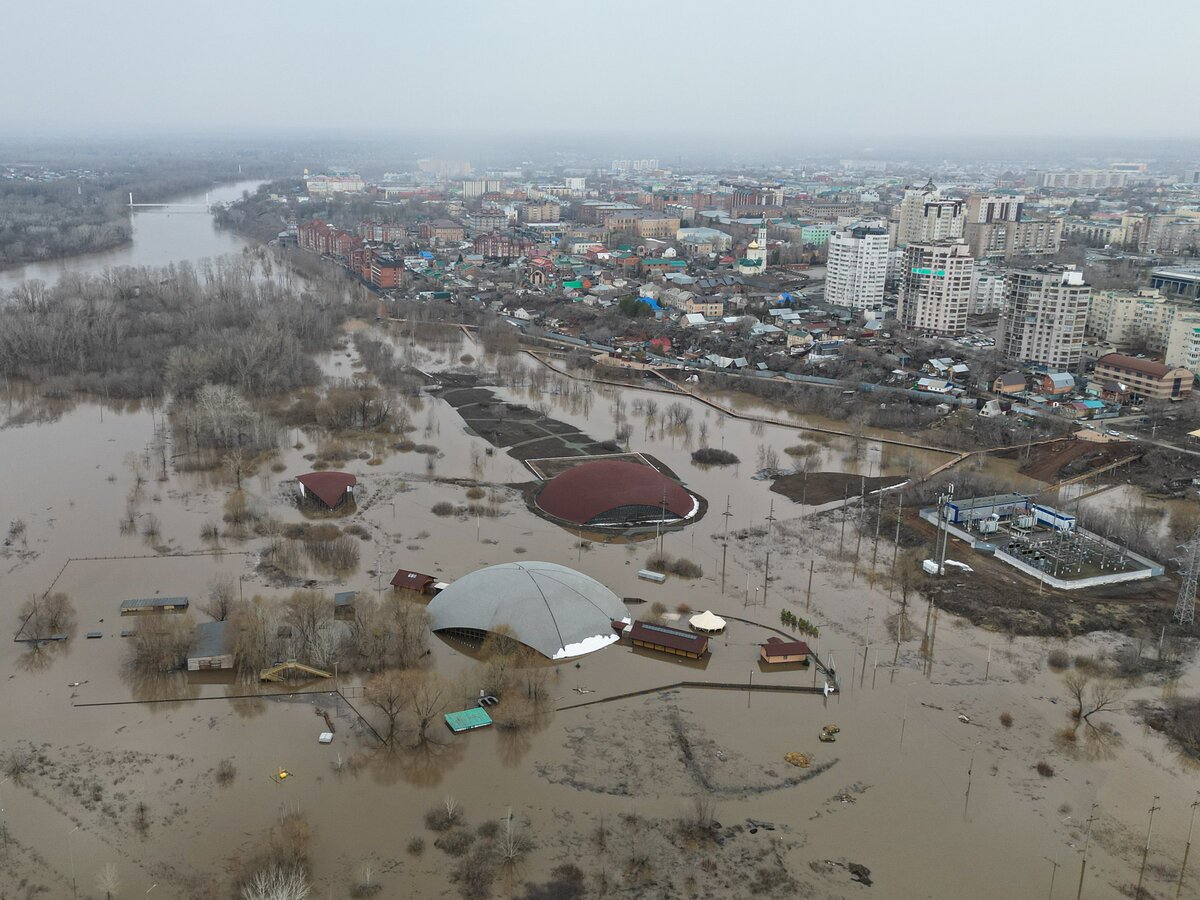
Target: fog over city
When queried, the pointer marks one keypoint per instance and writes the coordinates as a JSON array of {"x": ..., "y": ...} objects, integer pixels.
[{"x": 871, "y": 73}]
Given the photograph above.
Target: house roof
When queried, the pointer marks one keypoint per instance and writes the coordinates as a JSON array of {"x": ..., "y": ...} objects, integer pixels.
[
  {"x": 154, "y": 602},
  {"x": 210, "y": 639},
  {"x": 1011, "y": 379},
  {"x": 414, "y": 581},
  {"x": 672, "y": 638},
  {"x": 779, "y": 647},
  {"x": 330, "y": 487},
  {"x": 1061, "y": 379},
  {"x": 1133, "y": 364}
]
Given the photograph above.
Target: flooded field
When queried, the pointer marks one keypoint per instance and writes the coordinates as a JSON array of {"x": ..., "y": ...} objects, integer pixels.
[{"x": 926, "y": 786}]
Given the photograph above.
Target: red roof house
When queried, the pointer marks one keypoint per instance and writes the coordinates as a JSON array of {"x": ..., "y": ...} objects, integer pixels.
[{"x": 329, "y": 489}]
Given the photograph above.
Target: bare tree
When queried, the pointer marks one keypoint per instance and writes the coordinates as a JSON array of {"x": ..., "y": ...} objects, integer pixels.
[
  {"x": 160, "y": 642},
  {"x": 277, "y": 883},
  {"x": 387, "y": 692},
  {"x": 107, "y": 881},
  {"x": 221, "y": 597}
]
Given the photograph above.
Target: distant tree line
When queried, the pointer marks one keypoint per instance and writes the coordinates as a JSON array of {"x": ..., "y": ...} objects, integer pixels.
[
  {"x": 42, "y": 220},
  {"x": 142, "y": 332}
]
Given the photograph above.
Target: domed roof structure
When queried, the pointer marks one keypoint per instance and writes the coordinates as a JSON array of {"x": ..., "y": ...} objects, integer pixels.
[
  {"x": 611, "y": 492},
  {"x": 557, "y": 611}
]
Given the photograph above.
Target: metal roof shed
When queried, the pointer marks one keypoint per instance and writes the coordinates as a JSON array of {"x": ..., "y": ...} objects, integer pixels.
[
  {"x": 143, "y": 605},
  {"x": 468, "y": 719}
]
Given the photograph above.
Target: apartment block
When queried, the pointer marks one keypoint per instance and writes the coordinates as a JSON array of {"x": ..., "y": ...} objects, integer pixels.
[
  {"x": 1045, "y": 316},
  {"x": 935, "y": 287}
]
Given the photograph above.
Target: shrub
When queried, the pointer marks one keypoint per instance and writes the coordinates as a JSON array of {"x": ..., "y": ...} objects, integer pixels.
[
  {"x": 455, "y": 842},
  {"x": 1059, "y": 659},
  {"x": 443, "y": 508},
  {"x": 226, "y": 771},
  {"x": 685, "y": 568},
  {"x": 713, "y": 456},
  {"x": 210, "y": 532},
  {"x": 1045, "y": 769},
  {"x": 476, "y": 493},
  {"x": 444, "y": 817},
  {"x": 1006, "y": 719},
  {"x": 416, "y": 846}
]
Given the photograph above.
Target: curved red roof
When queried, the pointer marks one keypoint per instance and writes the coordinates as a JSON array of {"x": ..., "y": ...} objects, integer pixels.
[
  {"x": 330, "y": 487},
  {"x": 585, "y": 492}
]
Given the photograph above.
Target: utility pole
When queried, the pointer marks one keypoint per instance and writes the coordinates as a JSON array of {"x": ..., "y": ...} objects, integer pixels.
[
  {"x": 895, "y": 547},
  {"x": 1086, "y": 844},
  {"x": 1146, "y": 849},
  {"x": 808, "y": 599},
  {"x": 945, "y": 527},
  {"x": 875, "y": 547},
  {"x": 842, "y": 539},
  {"x": 767, "y": 566},
  {"x": 725, "y": 543},
  {"x": 1187, "y": 848},
  {"x": 1050, "y": 896}
]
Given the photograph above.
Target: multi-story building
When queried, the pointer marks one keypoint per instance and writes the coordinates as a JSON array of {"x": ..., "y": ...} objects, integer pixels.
[
  {"x": 996, "y": 228},
  {"x": 445, "y": 168},
  {"x": 1127, "y": 319},
  {"x": 1087, "y": 179},
  {"x": 710, "y": 307},
  {"x": 487, "y": 220},
  {"x": 323, "y": 185},
  {"x": 498, "y": 245},
  {"x": 1144, "y": 378},
  {"x": 935, "y": 287},
  {"x": 387, "y": 272},
  {"x": 925, "y": 216},
  {"x": 987, "y": 290},
  {"x": 442, "y": 231},
  {"x": 1094, "y": 231},
  {"x": 1045, "y": 316},
  {"x": 543, "y": 211},
  {"x": 474, "y": 188},
  {"x": 856, "y": 272},
  {"x": 576, "y": 184},
  {"x": 1183, "y": 340},
  {"x": 647, "y": 224},
  {"x": 627, "y": 166}
]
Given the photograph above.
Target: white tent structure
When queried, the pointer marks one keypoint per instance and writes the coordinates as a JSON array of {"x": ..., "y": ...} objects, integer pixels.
[
  {"x": 707, "y": 622},
  {"x": 557, "y": 611}
]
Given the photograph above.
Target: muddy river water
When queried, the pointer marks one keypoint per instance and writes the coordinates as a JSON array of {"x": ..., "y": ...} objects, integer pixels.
[{"x": 924, "y": 785}]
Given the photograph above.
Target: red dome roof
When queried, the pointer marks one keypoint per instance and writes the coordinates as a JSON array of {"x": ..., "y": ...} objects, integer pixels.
[{"x": 586, "y": 492}]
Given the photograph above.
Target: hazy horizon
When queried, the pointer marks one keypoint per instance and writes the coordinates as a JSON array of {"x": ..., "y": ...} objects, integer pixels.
[{"x": 864, "y": 75}]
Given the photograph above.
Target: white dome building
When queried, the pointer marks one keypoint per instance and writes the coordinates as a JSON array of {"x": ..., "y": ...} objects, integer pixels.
[{"x": 556, "y": 611}]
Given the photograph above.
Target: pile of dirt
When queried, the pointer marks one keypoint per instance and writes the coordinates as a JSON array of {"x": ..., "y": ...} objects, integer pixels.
[
  {"x": 824, "y": 487},
  {"x": 1070, "y": 457}
]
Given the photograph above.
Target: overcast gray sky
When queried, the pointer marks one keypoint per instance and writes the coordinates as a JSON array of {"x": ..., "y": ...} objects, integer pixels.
[{"x": 783, "y": 68}]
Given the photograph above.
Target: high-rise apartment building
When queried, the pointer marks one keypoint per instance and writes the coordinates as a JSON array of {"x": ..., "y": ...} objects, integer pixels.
[
  {"x": 987, "y": 290},
  {"x": 856, "y": 272},
  {"x": 1045, "y": 316},
  {"x": 935, "y": 287},
  {"x": 1131, "y": 320},
  {"x": 996, "y": 228},
  {"x": 925, "y": 216}
]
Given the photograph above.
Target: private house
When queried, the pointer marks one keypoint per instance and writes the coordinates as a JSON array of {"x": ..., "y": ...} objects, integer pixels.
[
  {"x": 777, "y": 651},
  {"x": 413, "y": 581},
  {"x": 212, "y": 647},
  {"x": 1056, "y": 384},
  {"x": 1009, "y": 383},
  {"x": 668, "y": 640},
  {"x": 326, "y": 490},
  {"x": 154, "y": 605}
]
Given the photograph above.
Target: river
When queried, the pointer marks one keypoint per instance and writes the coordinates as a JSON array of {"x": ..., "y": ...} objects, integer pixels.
[{"x": 161, "y": 235}]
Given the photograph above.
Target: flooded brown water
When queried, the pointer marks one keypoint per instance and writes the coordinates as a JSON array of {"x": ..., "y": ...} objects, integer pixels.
[{"x": 894, "y": 799}]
